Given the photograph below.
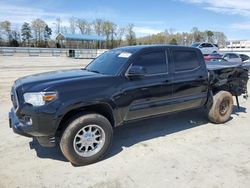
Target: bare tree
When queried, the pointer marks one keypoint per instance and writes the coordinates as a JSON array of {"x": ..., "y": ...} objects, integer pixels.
[
  {"x": 83, "y": 26},
  {"x": 108, "y": 31},
  {"x": 6, "y": 27},
  {"x": 113, "y": 34},
  {"x": 65, "y": 30},
  {"x": 197, "y": 36},
  {"x": 120, "y": 34},
  {"x": 98, "y": 26},
  {"x": 130, "y": 35},
  {"x": 58, "y": 25},
  {"x": 220, "y": 38},
  {"x": 38, "y": 27},
  {"x": 72, "y": 25}
]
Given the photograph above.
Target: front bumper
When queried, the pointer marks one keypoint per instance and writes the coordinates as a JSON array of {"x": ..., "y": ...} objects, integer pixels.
[
  {"x": 17, "y": 126},
  {"x": 29, "y": 130}
]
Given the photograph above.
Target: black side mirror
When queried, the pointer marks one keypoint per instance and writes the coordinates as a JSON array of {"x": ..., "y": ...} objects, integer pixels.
[{"x": 135, "y": 71}]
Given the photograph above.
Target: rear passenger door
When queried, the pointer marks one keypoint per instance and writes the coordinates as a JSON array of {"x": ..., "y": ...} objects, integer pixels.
[
  {"x": 234, "y": 58},
  {"x": 190, "y": 79}
]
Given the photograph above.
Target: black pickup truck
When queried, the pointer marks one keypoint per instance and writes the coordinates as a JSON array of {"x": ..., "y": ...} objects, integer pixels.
[{"x": 80, "y": 108}]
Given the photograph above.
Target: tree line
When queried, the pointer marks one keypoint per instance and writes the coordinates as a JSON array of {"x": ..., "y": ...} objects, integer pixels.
[
  {"x": 169, "y": 36},
  {"x": 38, "y": 34}
]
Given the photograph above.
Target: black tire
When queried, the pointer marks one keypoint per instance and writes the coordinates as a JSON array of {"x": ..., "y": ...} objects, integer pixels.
[
  {"x": 221, "y": 108},
  {"x": 78, "y": 123}
]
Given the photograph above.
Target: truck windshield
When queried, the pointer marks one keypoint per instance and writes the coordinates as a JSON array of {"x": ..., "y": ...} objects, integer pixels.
[{"x": 109, "y": 63}]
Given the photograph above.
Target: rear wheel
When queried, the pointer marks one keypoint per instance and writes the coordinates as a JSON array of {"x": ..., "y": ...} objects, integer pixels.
[
  {"x": 86, "y": 139},
  {"x": 222, "y": 107}
]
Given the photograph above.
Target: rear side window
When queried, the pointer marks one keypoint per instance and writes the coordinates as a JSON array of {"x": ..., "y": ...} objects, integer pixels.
[
  {"x": 185, "y": 60},
  {"x": 153, "y": 62},
  {"x": 233, "y": 56},
  {"x": 204, "y": 45},
  {"x": 209, "y": 45}
]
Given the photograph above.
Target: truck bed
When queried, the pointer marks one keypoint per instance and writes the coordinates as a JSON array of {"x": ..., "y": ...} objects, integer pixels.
[{"x": 232, "y": 77}]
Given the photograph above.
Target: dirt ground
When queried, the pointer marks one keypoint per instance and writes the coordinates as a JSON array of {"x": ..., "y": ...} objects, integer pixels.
[{"x": 179, "y": 150}]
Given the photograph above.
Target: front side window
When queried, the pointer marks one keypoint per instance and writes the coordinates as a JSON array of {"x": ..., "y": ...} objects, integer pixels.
[
  {"x": 185, "y": 60},
  {"x": 195, "y": 45},
  {"x": 152, "y": 62}
]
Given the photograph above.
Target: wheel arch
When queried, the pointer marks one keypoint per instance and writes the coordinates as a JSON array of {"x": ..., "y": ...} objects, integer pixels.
[{"x": 99, "y": 108}]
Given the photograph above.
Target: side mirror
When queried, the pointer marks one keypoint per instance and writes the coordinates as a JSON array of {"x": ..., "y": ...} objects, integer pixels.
[{"x": 136, "y": 71}]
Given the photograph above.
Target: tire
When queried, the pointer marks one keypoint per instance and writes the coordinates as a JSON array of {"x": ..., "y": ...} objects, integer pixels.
[
  {"x": 86, "y": 139},
  {"x": 221, "y": 108}
]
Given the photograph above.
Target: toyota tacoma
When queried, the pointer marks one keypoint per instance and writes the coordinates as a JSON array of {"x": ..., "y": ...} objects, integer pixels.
[{"x": 78, "y": 109}]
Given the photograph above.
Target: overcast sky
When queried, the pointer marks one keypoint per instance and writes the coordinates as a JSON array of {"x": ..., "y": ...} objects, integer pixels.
[{"x": 230, "y": 16}]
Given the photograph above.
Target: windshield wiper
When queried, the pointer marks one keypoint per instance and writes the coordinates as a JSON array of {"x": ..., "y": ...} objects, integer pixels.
[{"x": 95, "y": 71}]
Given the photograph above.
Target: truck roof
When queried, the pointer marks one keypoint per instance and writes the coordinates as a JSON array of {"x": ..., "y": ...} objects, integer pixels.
[{"x": 140, "y": 47}]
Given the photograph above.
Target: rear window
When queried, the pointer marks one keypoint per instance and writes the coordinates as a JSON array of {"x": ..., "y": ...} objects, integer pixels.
[{"x": 185, "y": 60}]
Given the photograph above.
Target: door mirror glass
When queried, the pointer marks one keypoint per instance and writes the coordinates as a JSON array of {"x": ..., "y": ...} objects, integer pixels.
[{"x": 136, "y": 70}]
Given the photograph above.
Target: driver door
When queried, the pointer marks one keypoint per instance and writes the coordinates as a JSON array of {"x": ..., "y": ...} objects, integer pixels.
[{"x": 146, "y": 95}]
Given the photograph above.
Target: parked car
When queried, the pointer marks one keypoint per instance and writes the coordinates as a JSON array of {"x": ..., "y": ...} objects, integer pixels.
[
  {"x": 212, "y": 56},
  {"x": 78, "y": 109},
  {"x": 245, "y": 58},
  {"x": 206, "y": 48},
  {"x": 232, "y": 57}
]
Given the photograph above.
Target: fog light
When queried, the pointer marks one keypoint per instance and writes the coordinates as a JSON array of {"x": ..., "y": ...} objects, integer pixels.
[{"x": 27, "y": 120}]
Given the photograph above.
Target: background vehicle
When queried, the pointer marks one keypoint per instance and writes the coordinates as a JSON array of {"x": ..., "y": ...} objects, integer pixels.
[
  {"x": 232, "y": 57},
  {"x": 212, "y": 56},
  {"x": 206, "y": 48},
  {"x": 245, "y": 58},
  {"x": 80, "y": 108}
]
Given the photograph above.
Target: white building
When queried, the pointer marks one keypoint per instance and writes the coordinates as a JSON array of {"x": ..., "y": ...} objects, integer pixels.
[{"x": 238, "y": 44}]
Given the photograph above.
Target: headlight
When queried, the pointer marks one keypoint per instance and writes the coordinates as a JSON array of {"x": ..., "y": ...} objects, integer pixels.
[{"x": 39, "y": 98}]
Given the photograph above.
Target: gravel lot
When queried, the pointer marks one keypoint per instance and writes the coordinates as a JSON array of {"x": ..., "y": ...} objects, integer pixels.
[{"x": 180, "y": 150}]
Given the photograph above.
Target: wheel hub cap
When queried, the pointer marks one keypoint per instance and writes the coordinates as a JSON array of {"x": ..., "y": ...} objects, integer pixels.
[{"x": 89, "y": 140}]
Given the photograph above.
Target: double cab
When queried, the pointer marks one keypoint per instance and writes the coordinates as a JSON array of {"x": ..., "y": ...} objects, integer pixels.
[{"x": 78, "y": 109}]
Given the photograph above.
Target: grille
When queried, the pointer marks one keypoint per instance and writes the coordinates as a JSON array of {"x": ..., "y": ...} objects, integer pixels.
[{"x": 14, "y": 98}]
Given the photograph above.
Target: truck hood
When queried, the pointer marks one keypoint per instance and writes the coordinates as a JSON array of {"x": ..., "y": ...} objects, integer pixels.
[{"x": 43, "y": 78}]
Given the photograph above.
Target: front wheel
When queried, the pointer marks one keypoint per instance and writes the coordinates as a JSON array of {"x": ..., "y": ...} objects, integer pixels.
[
  {"x": 222, "y": 107},
  {"x": 86, "y": 139}
]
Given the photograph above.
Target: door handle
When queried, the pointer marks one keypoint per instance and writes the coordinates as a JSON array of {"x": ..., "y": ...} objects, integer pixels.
[{"x": 144, "y": 89}]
